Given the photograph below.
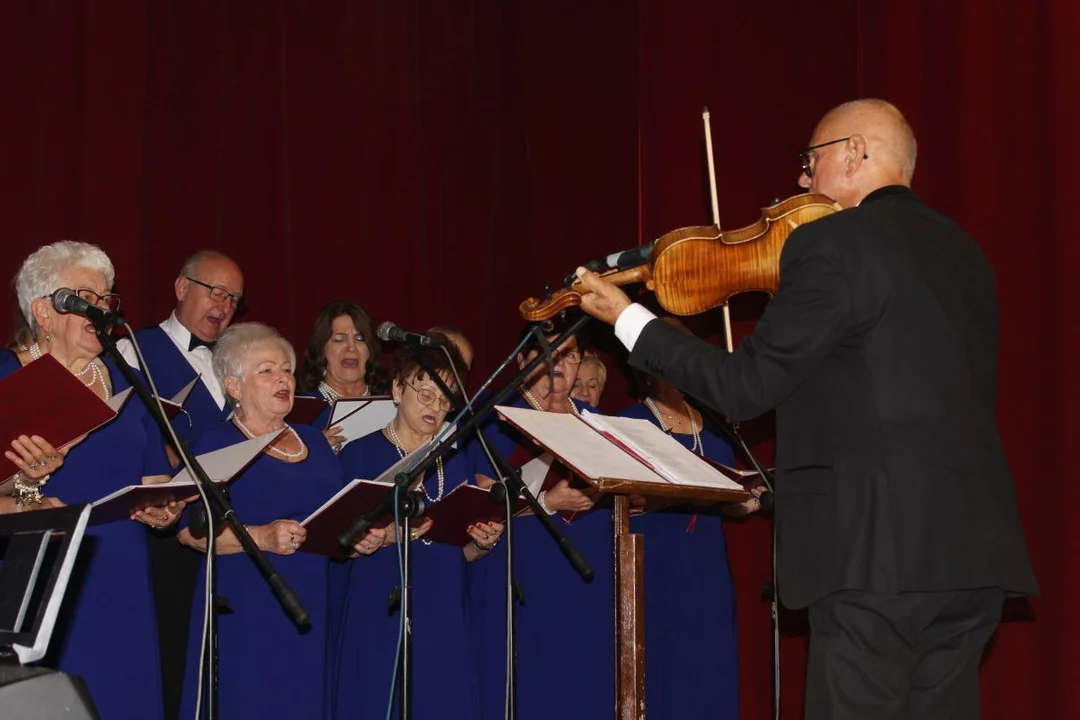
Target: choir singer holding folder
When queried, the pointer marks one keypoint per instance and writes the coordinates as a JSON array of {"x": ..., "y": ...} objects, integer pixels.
[
  {"x": 896, "y": 516},
  {"x": 109, "y": 636},
  {"x": 565, "y": 638},
  {"x": 269, "y": 668},
  {"x": 443, "y": 660}
]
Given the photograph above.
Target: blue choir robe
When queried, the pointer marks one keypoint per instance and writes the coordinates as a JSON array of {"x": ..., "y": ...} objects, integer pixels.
[
  {"x": 106, "y": 633},
  {"x": 691, "y": 656},
  {"x": 565, "y": 627},
  {"x": 444, "y": 666},
  {"x": 171, "y": 372}
]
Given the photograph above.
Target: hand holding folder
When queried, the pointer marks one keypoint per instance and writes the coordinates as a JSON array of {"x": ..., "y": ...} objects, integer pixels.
[
  {"x": 221, "y": 466},
  {"x": 46, "y": 400}
]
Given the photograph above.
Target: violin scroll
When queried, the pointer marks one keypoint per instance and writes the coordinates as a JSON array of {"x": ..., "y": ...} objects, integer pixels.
[{"x": 537, "y": 309}]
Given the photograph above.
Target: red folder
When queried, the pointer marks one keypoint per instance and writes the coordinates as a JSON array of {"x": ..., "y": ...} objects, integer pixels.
[
  {"x": 522, "y": 455},
  {"x": 45, "y": 399},
  {"x": 325, "y": 524},
  {"x": 305, "y": 410},
  {"x": 463, "y": 506},
  {"x": 120, "y": 504}
]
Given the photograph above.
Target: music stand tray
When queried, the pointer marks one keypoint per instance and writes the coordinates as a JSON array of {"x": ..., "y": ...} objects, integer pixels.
[{"x": 38, "y": 554}]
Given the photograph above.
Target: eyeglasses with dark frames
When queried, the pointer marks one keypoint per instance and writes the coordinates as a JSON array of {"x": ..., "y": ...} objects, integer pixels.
[
  {"x": 218, "y": 294},
  {"x": 111, "y": 301},
  {"x": 806, "y": 156},
  {"x": 428, "y": 397}
]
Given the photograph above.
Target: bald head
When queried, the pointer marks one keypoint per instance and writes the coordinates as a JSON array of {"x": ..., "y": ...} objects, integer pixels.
[
  {"x": 207, "y": 293},
  {"x": 878, "y": 149}
]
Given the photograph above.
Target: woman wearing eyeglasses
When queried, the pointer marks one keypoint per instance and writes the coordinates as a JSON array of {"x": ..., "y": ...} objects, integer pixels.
[
  {"x": 565, "y": 643},
  {"x": 444, "y": 669},
  {"x": 108, "y": 633}
]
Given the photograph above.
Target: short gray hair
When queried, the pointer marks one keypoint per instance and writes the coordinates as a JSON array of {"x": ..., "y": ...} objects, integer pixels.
[
  {"x": 192, "y": 262},
  {"x": 40, "y": 273},
  {"x": 235, "y": 344}
]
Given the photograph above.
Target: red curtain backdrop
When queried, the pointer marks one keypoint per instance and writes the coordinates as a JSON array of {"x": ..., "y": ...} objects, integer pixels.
[{"x": 439, "y": 162}]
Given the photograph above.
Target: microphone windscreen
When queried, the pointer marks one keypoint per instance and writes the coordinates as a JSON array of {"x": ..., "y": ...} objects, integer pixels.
[{"x": 384, "y": 330}]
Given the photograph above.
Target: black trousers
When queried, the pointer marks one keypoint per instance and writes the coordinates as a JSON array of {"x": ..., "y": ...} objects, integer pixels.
[
  {"x": 174, "y": 568},
  {"x": 898, "y": 657}
]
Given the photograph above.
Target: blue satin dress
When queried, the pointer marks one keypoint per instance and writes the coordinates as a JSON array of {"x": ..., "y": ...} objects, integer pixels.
[
  {"x": 565, "y": 627},
  {"x": 691, "y": 656},
  {"x": 106, "y": 632},
  {"x": 444, "y": 664},
  {"x": 268, "y": 667}
]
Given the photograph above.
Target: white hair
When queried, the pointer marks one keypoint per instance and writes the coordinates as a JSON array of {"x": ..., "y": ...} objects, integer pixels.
[
  {"x": 235, "y": 345},
  {"x": 40, "y": 273}
]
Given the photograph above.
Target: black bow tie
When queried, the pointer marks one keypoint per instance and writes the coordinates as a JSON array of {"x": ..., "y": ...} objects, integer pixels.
[{"x": 197, "y": 341}]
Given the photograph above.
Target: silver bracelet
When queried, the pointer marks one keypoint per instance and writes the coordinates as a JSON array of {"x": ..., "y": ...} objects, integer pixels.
[{"x": 25, "y": 494}]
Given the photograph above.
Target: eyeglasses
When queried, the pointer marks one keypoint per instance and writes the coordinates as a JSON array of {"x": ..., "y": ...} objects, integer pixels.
[
  {"x": 429, "y": 397},
  {"x": 571, "y": 355},
  {"x": 109, "y": 300},
  {"x": 806, "y": 156},
  {"x": 218, "y": 294}
]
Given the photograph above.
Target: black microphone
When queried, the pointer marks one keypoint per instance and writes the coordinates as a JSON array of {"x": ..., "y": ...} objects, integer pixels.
[
  {"x": 65, "y": 300},
  {"x": 622, "y": 260},
  {"x": 390, "y": 332}
]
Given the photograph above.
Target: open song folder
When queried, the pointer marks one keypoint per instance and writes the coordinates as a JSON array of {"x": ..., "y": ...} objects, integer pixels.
[
  {"x": 355, "y": 499},
  {"x": 362, "y": 416},
  {"x": 625, "y": 455},
  {"x": 220, "y": 465},
  {"x": 361, "y": 496},
  {"x": 45, "y": 399},
  {"x": 175, "y": 405}
]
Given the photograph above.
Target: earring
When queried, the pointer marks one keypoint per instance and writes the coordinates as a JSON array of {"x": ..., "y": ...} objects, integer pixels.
[{"x": 48, "y": 337}]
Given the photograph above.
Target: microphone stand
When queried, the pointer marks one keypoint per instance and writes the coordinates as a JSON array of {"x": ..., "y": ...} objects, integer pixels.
[
  {"x": 221, "y": 509},
  {"x": 513, "y": 486}
]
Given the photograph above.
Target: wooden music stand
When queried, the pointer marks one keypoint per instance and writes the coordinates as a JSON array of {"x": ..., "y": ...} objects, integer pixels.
[{"x": 629, "y": 561}]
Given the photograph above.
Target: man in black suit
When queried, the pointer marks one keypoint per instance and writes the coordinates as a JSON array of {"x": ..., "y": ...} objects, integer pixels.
[{"x": 896, "y": 516}]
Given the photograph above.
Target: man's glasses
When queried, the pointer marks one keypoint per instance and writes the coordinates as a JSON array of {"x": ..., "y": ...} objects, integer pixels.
[
  {"x": 429, "y": 397},
  {"x": 807, "y": 156},
  {"x": 109, "y": 300},
  {"x": 218, "y": 294}
]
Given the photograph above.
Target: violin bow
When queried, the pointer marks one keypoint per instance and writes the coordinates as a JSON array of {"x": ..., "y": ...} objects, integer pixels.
[{"x": 716, "y": 214}]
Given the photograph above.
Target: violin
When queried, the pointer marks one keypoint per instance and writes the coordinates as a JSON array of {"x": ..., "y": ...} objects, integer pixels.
[{"x": 698, "y": 268}]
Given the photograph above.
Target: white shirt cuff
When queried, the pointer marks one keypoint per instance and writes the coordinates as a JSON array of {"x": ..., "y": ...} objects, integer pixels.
[{"x": 631, "y": 322}]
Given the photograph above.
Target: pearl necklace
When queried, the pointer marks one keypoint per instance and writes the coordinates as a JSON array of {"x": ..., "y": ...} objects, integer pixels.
[
  {"x": 91, "y": 367},
  {"x": 282, "y": 453},
  {"x": 698, "y": 446},
  {"x": 330, "y": 394},
  {"x": 531, "y": 399},
  {"x": 391, "y": 433}
]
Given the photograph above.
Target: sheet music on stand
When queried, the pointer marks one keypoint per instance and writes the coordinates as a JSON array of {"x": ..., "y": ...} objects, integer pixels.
[{"x": 625, "y": 455}]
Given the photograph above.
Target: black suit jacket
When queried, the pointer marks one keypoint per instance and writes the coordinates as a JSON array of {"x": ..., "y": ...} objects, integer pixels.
[{"x": 878, "y": 353}]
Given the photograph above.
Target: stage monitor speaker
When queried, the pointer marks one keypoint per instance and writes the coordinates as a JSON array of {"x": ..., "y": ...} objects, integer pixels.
[{"x": 37, "y": 693}]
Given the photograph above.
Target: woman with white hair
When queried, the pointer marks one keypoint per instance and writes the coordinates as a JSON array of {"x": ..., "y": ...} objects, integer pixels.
[
  {"x": 109, "y": 634},
  {"x": 270, "y": 669}
]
